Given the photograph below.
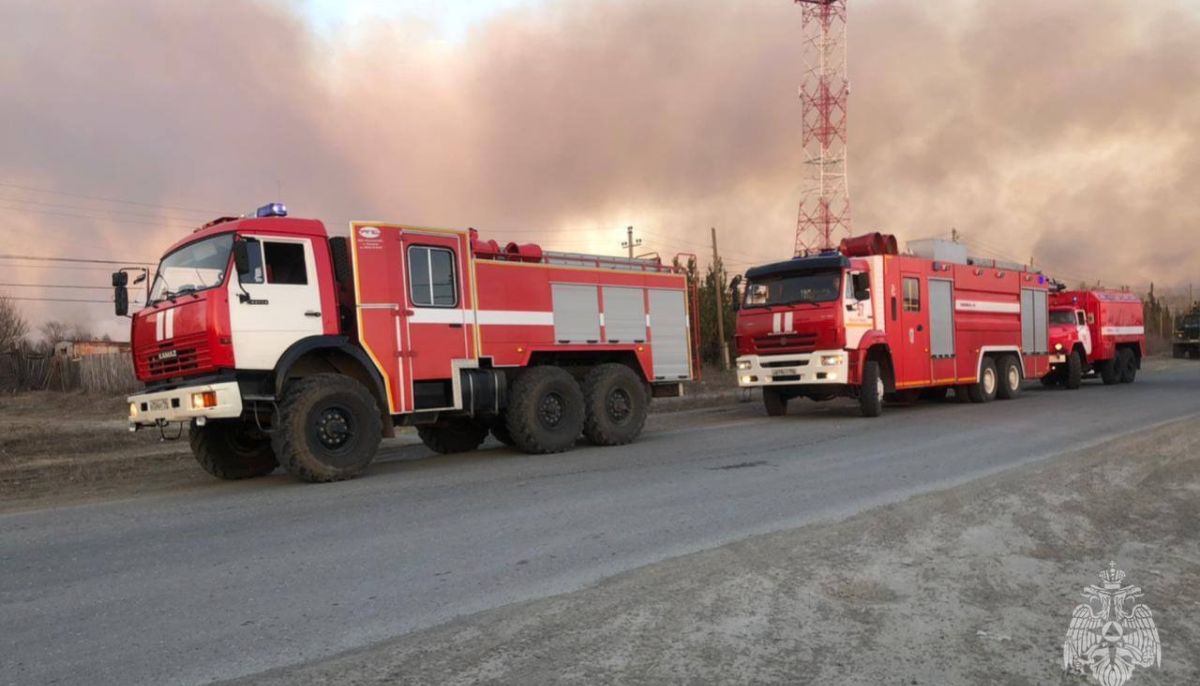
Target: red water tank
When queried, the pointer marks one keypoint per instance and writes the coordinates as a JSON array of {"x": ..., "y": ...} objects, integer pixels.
[{"x": 869, "y": 244}]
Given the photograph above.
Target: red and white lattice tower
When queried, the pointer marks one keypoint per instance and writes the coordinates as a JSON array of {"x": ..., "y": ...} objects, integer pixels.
[{"x": 824, "y": 217}]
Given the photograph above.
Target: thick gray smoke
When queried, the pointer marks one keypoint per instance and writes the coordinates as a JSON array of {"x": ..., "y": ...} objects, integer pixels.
[{"x": 1064, "y": 131}]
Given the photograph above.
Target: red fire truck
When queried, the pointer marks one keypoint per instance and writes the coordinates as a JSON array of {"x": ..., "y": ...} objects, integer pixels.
[
  {"x": 278, "y": 344},
  {"x": 866, "y": 322},
  {"x": 1100, "y": 332}
]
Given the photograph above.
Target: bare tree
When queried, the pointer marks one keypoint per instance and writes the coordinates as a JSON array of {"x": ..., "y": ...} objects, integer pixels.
[
  {"x": 55, "y": 331},
  {"x": 13, "y": 327}
]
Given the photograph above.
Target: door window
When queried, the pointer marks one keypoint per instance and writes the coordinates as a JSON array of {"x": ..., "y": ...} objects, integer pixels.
[
  {"x": 912, "y": 295},
  {"x": 276, "y": 262},
  {"x": 431, "y": 277}
]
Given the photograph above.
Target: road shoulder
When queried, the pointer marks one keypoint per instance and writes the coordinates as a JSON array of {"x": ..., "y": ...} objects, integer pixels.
[{"x": 974, "y": 584}]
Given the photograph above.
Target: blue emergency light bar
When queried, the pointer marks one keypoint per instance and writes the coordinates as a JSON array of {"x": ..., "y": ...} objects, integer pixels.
[{"x": 275, "y": 209}]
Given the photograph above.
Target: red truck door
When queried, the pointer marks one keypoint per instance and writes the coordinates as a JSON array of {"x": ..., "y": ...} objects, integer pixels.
[
  {"x": 912, "y": 362},
  {"x": 435, "y": 321}
]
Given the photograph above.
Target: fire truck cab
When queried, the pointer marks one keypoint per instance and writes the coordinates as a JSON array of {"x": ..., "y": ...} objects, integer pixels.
[
  {"x": 866, "y": 322},
  {"x": 277, "y": 344}
]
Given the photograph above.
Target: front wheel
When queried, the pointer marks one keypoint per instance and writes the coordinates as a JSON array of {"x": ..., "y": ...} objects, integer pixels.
[
  {"x": 328, "y": 428},
  {"x": 870, "y": 396},
  {"x": 615, "y": 405},
  {"x": 232, "y": 450},
  {"x": 775, "y": 402},
  {"x": 1073, "y": 376}
]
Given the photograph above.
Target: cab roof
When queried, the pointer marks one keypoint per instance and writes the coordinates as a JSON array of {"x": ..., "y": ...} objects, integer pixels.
[{"x": 280, "y": 226}]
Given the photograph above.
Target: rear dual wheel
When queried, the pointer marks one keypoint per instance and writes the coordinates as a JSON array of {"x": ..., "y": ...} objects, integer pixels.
[
  {"x": 984, "y": 390},
  {"x": 1126, "y": 365},
  {"x": 1009, "y": 372},
  {"x": 545, "y": 411},
  {"x": 615, "y": 404}
]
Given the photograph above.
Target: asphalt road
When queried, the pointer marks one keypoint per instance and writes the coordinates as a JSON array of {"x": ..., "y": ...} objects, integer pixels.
[{"x": 243, "y": 577}]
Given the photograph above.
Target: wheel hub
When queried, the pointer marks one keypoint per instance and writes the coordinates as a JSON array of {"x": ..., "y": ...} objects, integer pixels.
[
  {"x": 333, "y": 428},
  {"x": 550, "y": 410},
  {"x": 989, "y": 381},
  {"x": 1014, "y": 377},
  {"x": 620, "y": 405}
]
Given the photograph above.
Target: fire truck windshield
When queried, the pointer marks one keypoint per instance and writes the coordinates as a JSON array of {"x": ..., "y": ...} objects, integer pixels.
[
  {"x": 194, "y": 267},
  {"x": 798, "y": 287},
  {"x": 1062, "y": 317}
]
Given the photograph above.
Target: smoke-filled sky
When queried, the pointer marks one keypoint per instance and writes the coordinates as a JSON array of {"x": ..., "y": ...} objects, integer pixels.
[{"x": 1068, "y": 131}]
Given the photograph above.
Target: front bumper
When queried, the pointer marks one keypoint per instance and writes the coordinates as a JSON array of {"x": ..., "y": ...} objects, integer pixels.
[
  {"x": 162, "y": 407},
  {"x": 820, "y": 367}
]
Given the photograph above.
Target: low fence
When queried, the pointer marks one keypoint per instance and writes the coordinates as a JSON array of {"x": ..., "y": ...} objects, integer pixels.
[{"x": 104, "y": 374}]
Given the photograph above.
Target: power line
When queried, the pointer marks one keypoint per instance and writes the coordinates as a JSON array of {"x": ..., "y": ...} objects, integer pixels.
[
  {"x": 66, "y": 300},
  {"x": 40, "y": 258},
  {"x": 94, "y": 217},
  {"x": 134, "y": 213},
  {"x": 51, "y": 285},
  {"x": 104, "y": 199}
]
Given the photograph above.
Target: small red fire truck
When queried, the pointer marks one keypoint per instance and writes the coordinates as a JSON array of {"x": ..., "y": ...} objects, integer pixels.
[
  {"x": 278, "y": 344},
  {"x": 1098, "y": 331},
  {"x": 866, "y": 322}
]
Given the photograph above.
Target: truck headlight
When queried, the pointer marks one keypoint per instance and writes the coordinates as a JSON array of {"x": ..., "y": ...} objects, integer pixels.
[
  {"x": 830, "y": 360},
  {"x": 743, "y": 364},
  {"x": 747, "y": 379},
  {"x": 203, "y": 400},
  {"x": 1057, "y": 346}
]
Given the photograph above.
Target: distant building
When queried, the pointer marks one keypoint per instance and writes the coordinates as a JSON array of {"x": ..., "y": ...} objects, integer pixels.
[{"x": 74, "y": 349}]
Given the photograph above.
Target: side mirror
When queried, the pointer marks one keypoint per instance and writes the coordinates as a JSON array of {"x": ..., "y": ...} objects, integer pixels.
[
  {"x": 119, "y": 279},
  {"x": 121, "y": 300},
  {"x": 241, "y": 257}
]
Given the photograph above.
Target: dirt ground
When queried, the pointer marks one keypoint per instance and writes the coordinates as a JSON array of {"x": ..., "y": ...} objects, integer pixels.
[{"x": 973, "y": 585}]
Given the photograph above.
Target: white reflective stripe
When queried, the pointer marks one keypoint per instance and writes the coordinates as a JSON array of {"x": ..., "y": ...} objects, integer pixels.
[
  {"x": 433, "y": 315},
  {"x": 518, "y": 318},
  {"x": 777, "y": 322},
  {"x": 158, "y": 325},
  {"x": 170, "y": 325},
  {"x": 788, "y": 321},
  {"x": 987, "y": 306},
  {"x": 1122, "y": 330}
]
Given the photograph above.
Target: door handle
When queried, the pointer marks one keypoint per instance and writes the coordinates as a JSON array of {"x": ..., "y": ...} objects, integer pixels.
[
  {"x": 920, "y": 327},
  {"x": 456, "y": 326},
  {"x": 312, "y": 313}
]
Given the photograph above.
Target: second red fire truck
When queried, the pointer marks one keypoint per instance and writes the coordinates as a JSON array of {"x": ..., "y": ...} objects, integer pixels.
[
  {"x": 277, "y": 344},
  {"x": 866, "y": 322},
  {"x": 1101, "y": 332}
]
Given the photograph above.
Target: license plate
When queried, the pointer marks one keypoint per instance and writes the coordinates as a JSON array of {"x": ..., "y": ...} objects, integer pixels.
[
  {"x": 784, "y": 372},
  {"x": 1056, "y": 359},
  {"x": 159, "y": 404}
]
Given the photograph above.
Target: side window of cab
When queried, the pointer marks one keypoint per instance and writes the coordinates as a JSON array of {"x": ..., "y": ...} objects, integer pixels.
[{"x": 276, "y": 262}]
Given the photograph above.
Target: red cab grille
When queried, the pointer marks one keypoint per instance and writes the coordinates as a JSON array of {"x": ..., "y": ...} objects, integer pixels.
[
  {"x": 183, "y": 355},
  {"x": 787, "y": 343}
]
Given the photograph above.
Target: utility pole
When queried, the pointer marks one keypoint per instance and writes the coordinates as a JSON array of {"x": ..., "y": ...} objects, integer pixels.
[
  {"x": 629, "y": 242},
  {"x": 953, "y": 234},
  {"x": 718, "y": 286}
]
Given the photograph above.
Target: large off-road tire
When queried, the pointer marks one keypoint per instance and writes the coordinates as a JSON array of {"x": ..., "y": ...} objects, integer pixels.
[
  {"x": 232, "y": 450},
  {"x": 458, "y": 435},
  {"x": 1009, "y": 371},
  {"x": 615, "y": 405},
  {"x": 1108, "y": 371},
  {"x": 775, "y": 402},
  {"x": 499, "y": 429},
  {"x": 1072, "y": 375},
  {"x": 870, "y": 396},
  {"x": 327, "y": 428},
  {"x": 1127, "y": 364},
  {"x": 545, "y": 411},
  {"x": 984, "y": 390}
]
